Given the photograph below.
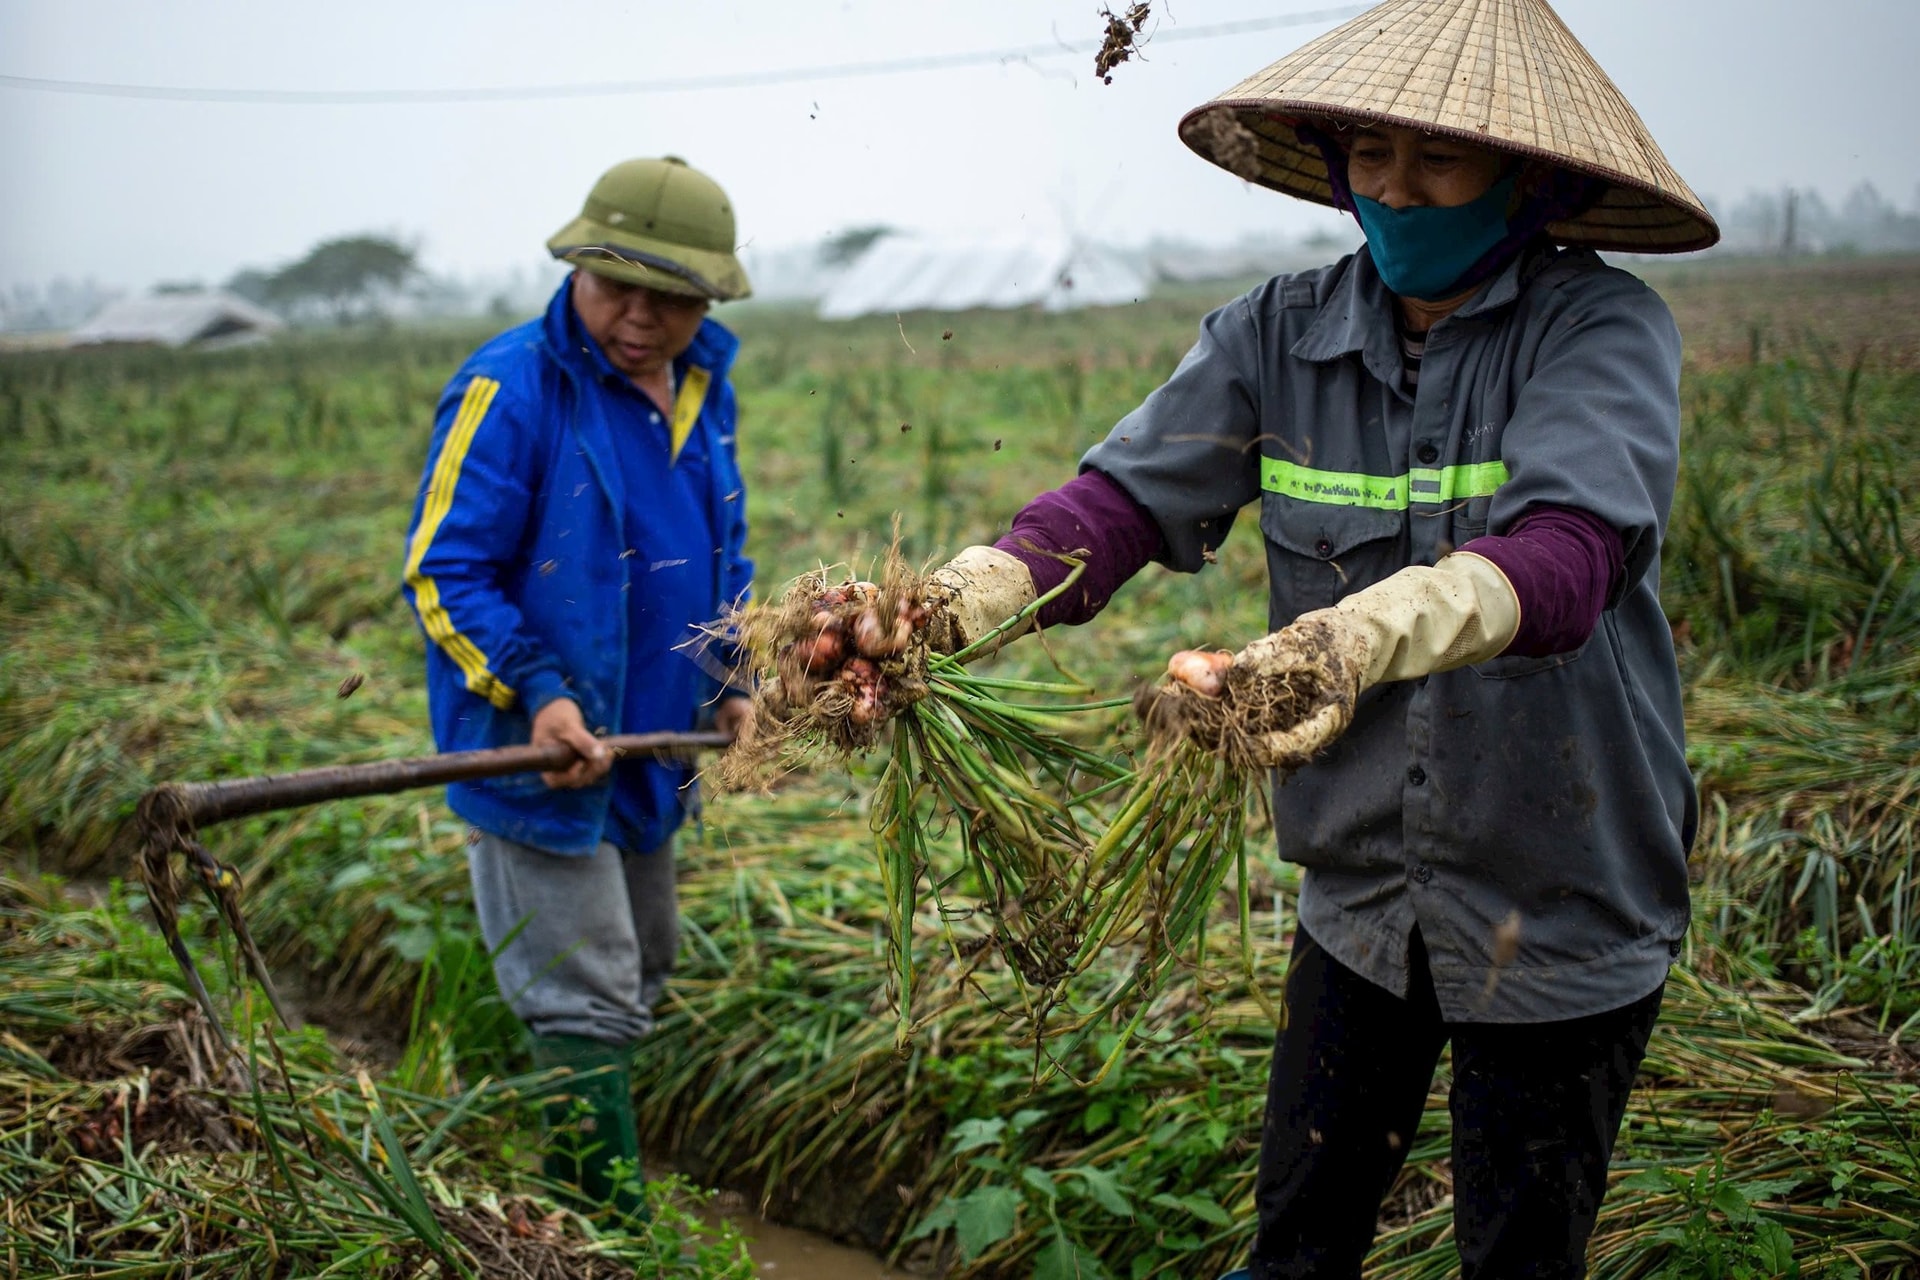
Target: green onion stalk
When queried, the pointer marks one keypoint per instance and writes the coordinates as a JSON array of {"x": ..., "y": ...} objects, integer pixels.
[{"x": 1067, "y": 853}]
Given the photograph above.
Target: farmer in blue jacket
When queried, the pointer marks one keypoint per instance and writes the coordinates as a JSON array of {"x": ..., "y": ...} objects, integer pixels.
[{"x": 580, "y": 518}]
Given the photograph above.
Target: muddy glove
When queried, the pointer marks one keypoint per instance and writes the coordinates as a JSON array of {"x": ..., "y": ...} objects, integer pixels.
[
  {"x": 972, "y": 594},
  {"x": 1307, "y": 676}
]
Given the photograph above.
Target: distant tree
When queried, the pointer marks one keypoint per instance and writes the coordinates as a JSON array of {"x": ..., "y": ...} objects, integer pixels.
[
  {"x": 344, "y": 275},
  {"x": 1865, "y": 206},
  {"x": 842, "y": 249},
  {"x": 252, "y": 284},
  {"x": 179, "y": 286}
]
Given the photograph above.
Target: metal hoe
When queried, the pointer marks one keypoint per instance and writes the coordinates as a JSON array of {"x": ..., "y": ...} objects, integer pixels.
[{"x": 169, "y": 817}]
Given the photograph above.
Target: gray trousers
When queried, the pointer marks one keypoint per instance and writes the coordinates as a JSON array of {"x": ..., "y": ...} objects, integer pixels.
[{"x": 596, "y": 936}]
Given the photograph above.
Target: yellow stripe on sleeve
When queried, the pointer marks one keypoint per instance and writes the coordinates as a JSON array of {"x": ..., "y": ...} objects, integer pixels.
[
  {"x": 426, "y": 592},
  {"x": 686, "y": 407}
]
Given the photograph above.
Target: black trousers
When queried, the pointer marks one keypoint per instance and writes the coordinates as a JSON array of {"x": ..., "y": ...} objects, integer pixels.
[{"x": 1535, "y": 1110}]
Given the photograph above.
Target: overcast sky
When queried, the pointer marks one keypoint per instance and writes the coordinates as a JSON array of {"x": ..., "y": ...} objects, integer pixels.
[{"x": 1741, "y": 94}]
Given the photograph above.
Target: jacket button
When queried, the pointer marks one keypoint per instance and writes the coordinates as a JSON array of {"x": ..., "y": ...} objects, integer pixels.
[
  {"x": 1417, "y": 776},
  {"x": 1428, "y": 455},
  {"x": 1423, "y": 873},
  {"x": 1323, "y": 548}
]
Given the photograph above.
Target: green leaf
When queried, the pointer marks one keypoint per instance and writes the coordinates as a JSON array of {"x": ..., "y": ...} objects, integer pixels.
[
  {"x": 1062, "y": 1259},
  {"x": 1207, "y": 1210},
  {"x": 1758, "y": 1189},
  {"x": 1104, "y": 1188},
  {"x": 1096, "y": 1116},
  {"x": 1647, "y": 1181},
  {"x": 969, "y": 1135},
  {"x": 351, "y": 875},
  {"x": 1728, "y": 1200},
  {"x": 413, "y": 943},
  {"x": 984, "y": 1218},
  {"x": 939, "y": 1218},
  {"x": 1024, "y": 1120},
  {"x": 1040, "y": 1180},
  {"x": 1775, "y": 1248}
]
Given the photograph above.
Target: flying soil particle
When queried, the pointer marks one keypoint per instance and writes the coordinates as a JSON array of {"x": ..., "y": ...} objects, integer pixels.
[
  {"x": 1121, "y": 40},
  {"x": 348, "y": 685}
]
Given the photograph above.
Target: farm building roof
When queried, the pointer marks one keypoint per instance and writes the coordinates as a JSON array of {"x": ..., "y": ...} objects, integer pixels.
[
  {"x": 200, "y": 320},
  {"x": 908, "y": 273}
]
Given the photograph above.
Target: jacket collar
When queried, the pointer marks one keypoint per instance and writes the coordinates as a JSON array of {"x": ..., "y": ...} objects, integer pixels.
[
  {"x": 713, "y": 349},
  {"x": 1358, "y": 313}
]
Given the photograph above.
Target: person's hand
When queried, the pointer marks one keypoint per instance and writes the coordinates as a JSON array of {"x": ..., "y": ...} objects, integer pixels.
[
  {"x": 1285, "y": 697},
  {"x": 1297, "y": 686},
  {"x": 734, "y": 717},
  {"x": 972, "y": 594},
  {"x": 559, "y": 721},
  {"x": 1275, "y": 704}
]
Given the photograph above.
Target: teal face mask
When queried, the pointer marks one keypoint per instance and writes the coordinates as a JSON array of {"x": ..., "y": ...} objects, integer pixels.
[{"x": 1422, "y": 251}]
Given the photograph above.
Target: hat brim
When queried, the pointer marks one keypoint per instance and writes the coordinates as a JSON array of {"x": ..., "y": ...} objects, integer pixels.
[
  {"x": 1633, "y": 216},
  {"x": 656, "y": 264}
]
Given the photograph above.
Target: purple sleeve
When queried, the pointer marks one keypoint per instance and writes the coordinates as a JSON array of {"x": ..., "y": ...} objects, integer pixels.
[
  {"x": 1565, "y": 565},
  {"x": 1094, "y": 519}
]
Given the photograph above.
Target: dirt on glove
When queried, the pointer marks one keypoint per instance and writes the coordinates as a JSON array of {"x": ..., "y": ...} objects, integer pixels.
[{"x": 1254, "y": 703}]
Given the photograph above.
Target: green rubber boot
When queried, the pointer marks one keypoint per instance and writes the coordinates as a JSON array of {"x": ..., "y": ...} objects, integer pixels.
[{"x": 587, "y": 1121}]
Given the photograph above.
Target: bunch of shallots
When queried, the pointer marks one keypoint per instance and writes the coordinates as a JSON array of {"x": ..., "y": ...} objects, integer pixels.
[{"x": 851, "y": 648}]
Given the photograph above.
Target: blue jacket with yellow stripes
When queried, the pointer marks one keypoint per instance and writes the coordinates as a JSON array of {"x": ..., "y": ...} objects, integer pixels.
[{"x": 518, "y": 565}]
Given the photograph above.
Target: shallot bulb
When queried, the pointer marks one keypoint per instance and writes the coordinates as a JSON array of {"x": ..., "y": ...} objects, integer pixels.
[
  {"x": 862, "y": 679},
  {"x": 1201, "y": 670},
  {"x": 875, "y": 637},
  {"x": 821, "y": 653}
]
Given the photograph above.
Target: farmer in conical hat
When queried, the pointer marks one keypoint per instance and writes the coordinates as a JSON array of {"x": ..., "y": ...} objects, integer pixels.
[
  {"x": 1463, "y": 441},
  {"x": 580, "y": 518}
]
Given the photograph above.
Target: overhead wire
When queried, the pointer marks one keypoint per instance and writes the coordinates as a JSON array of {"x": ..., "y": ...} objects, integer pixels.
[{"x": 684, "y": 84}]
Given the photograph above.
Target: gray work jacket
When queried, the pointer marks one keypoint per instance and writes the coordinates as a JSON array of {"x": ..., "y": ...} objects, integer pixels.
[{"x": 1531, "y": 815}]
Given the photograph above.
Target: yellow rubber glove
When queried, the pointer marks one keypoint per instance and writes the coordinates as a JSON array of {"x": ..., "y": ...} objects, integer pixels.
[
  {"x": 1418, "y": 622},
  {"x": 975, "y": 592}
]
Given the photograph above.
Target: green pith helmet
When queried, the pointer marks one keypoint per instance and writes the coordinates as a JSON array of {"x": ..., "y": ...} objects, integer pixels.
[{"x": 659, "y": 223}]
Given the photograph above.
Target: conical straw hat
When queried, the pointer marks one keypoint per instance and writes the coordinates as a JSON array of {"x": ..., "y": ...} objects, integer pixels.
[{"x": 1501, "y": 73}]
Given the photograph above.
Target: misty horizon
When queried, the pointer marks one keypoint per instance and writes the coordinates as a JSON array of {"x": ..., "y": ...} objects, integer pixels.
[{"x": 130, "y": 193}]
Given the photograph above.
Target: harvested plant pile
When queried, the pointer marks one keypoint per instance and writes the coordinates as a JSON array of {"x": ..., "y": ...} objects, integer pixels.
[
  {"x": 1066, "y": 851},
  {"x": 772, "y": 1066},
  {"x": 133, "y": 1144}
]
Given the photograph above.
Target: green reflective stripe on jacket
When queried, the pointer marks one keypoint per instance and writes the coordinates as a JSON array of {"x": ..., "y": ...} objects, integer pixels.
[
  {"x": 1383, "y": 493},
  {"x": 1468, "y": 480}
]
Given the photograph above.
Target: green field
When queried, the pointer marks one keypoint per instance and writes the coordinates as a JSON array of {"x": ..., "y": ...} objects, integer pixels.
[{"x": 195, "y": 551}]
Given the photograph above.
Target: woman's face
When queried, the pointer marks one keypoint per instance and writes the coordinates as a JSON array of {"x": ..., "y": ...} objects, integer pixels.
[{"x": 1405, "y": 168}]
